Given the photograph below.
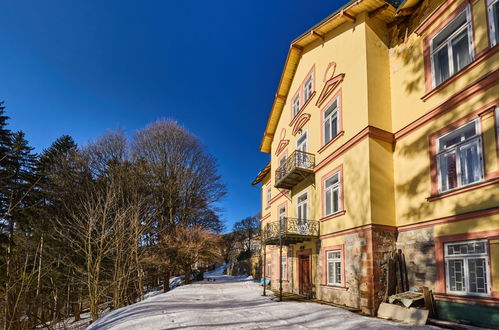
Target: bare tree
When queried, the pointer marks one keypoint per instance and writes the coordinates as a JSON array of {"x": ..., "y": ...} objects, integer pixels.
[{"x": 183, "y": 181}]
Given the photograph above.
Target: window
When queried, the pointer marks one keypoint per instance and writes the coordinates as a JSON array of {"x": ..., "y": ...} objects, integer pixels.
[
  {"x": 497, "y": 123},
  {"x": 309, "y": 88},
  {"x": 334, "y": 267},
  {"x": 332, "y": 194},
  {"x": 269, "y": 195},
  {"x": 269, "y": 268},
  {"x": 452, "y": 48},
  {"x": 459, "y": 157},
  {"x": 282, "y": 217},
  {"x": 284, "y": 269},
  {"x": 467, "y": 267},
  {"x": 331, "y": 126},
  {"x": 493, "y": 7},
  {"x": 302, "y": 148},
  {"x": 296, "y": 105},
  {"x": 302, "y": 206}
]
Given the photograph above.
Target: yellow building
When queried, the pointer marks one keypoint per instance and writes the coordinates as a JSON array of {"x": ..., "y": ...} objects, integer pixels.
[{"x": 383, "y": 135}]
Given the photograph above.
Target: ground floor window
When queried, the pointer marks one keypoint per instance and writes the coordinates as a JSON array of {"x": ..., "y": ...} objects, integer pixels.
[
  {"x": 269, "y": 268},
  {"x": 334, "y": 267},
  {"x": 284, "y": 268},
  {"x": 467, "y": 270}
]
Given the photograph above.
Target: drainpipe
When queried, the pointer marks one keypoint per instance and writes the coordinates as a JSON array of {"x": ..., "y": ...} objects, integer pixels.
[{"x": 280, "y": 261}]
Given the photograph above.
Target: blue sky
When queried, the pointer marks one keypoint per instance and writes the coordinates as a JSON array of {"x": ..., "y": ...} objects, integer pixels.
[{"x": 84, "y": 67}]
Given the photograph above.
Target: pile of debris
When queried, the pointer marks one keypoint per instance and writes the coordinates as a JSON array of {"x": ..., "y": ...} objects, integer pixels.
[{"x": 400, "y": 304}]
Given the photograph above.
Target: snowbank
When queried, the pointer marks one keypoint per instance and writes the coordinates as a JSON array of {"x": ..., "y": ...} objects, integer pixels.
[{"x": 228, "y": 302}]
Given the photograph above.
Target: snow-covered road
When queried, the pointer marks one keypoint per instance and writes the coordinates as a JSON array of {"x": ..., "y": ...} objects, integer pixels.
[{"x": 232, "y": 303}]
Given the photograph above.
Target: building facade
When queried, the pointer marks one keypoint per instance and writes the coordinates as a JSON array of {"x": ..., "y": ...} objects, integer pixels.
[{"x": 384, "y": 136}]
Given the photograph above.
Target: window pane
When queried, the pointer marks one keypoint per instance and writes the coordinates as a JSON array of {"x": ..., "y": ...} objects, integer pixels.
[
  {"x": 336, "y": 200},
  {"x": 334, "y": 126},
  {"x": 449, "y": 171},
  {"x": 330, "y": 272},
  {"x": 495, "y": 14},
  {"x": 470, "y": 163},
  {"x": 456, "y": 275},
  {"x": 477, "y": 275},
  {"x": 338, "y": 272},
  {"x": 452, "y": 27},
  {"x": 332, "y": 181},
  {"x": 461, "y": 50},
  {"x": 327, "y": 130},
  {"x": 441, "y": 64},
  {"x": 328, "y": 202}
]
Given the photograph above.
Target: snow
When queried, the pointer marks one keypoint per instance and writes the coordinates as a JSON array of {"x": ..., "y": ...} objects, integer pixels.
[{"x": 228, "y": 302}]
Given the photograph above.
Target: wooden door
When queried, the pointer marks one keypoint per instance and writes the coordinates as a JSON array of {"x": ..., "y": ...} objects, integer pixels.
[{"x": 304, "y": 275}]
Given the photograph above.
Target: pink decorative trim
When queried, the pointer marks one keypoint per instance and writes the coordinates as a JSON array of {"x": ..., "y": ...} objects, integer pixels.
[
  {"x": 304, "y": 118},
  {"x": 329, "y": 88}
]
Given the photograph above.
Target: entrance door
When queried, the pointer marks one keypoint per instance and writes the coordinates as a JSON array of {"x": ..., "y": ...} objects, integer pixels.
[{"x": 304, "y": 275}]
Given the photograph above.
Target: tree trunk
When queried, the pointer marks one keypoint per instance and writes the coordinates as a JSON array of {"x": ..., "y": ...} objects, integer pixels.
[{"x": 166, "y": 281}]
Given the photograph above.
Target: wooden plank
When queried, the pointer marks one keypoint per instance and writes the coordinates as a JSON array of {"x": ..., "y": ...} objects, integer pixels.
[{"x": 412, "y": 316}]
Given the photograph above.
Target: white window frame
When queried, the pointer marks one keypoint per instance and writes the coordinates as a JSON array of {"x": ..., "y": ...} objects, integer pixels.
[
  {"x": 284, "y": 268},
  {"x": 465, "y": 258},
  {"x": 269, "y": 268},
  {"x": 308, "y": 88},
  {"x": 447, "y": 42},
  {"x": 295, "y": 105},
  {"x": 497, "y": 124},
  {"x": 335, "y": 112},
  {"x": 298, "y": 204},
  {"x": 334, "y": 261},
  {"x": 336, "y": 186},
  {"x": 282, "y": 215},
  {"x": 492, "y": 28},
  {"x": 440, "y": 153},
  {"x": 269, "y": 195}
]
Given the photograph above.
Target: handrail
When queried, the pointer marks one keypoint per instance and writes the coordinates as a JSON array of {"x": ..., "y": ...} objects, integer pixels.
[
  {"x": 298, "y": 159},
  {"x": 291, "y": 226}
]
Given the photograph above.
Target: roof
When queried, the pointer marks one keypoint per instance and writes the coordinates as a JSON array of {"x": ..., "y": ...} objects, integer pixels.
[
  {"x": 262, "y": 174},
  {"x": 344, "y": 14}
]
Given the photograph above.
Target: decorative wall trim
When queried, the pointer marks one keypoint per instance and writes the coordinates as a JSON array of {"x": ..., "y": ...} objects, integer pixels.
[
  {"x": 375, "y": 227},
  {"x": 476, "y": 87},
  {"x": 304, "y": 118},
  {"x": 329, "y": 88},
  {"x": 265, "y": 217},
  {"x": 449, "y": 219},
  {"x": 369, "y": 131}
]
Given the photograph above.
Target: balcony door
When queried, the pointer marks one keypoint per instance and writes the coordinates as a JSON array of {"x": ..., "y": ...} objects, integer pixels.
[
  {"x": 301, "y": 214},
  {"x": 302, "y": 145},
  {"x": 282, "y": 218}
]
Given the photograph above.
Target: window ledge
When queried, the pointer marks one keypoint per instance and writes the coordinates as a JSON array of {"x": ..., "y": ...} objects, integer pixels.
[
  {"x": 324, "y": 147},
  {"x": 460, "y": 190},
  {"x": 480, "y": 57},
  {"x": 336, "y": 287},
  {"x": 487, "y": 299},
  {"x": 334, "y": 215},
  {"x": 301, "y": 110}
]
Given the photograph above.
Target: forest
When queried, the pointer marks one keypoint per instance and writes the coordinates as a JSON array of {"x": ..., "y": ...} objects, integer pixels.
[{"x": 96, "y": 226}]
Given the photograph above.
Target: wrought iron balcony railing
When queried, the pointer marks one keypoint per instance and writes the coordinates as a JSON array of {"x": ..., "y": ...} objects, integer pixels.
[
  {"x": 297, "y": 167},
  {"x": 290, "y": 230}
]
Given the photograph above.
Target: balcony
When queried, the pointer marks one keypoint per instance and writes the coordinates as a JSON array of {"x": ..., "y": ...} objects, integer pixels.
[
  {"x": 290, "y": 231},
  {"x": 297, "y": 167}
]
